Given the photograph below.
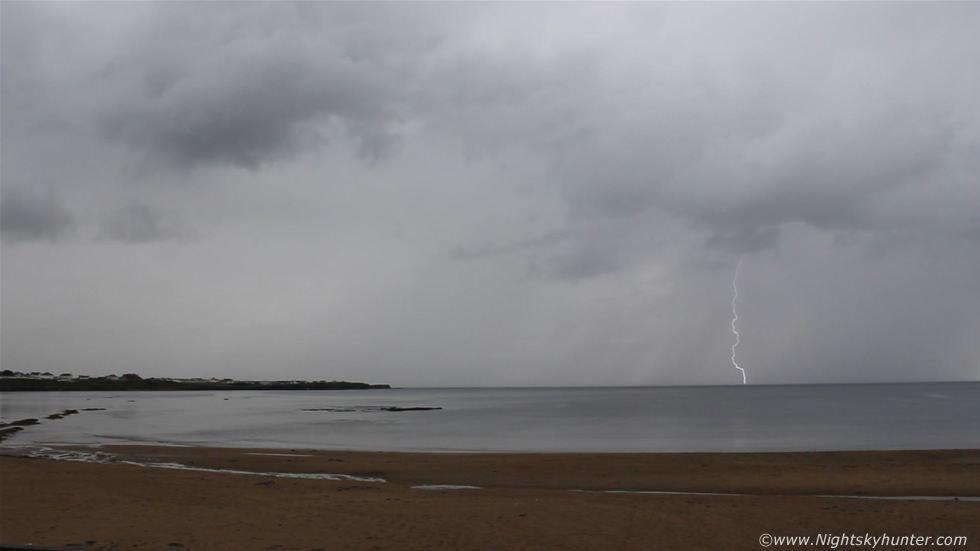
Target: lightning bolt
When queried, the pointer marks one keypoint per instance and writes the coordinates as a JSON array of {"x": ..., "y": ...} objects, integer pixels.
[{"x": 735, "y": 318}]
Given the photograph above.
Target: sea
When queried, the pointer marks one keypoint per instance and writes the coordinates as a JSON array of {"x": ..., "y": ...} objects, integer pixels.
[{"x": 618, "y": 419}]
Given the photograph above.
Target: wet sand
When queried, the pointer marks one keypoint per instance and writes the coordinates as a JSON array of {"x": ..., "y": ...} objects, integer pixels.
[{"x": 525, "y": 501}]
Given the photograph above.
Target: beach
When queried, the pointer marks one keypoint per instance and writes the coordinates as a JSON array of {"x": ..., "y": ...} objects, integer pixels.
[{"x": 493, "y": 500}]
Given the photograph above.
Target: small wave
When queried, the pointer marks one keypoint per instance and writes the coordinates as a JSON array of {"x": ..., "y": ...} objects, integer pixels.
[
  {"x": 70, "y": 455},
  {"x": 101, "y": 457}
]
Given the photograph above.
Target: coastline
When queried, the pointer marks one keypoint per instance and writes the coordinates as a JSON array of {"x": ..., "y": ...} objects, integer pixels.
[
  {"x": 137, "y": 384},
  {"x": 523, "y": 500}
]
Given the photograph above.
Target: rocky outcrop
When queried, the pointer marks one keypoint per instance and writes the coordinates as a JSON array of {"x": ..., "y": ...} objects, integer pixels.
[
  {"x": 9, "y": 429},
  {"x": 20, "y": 423},
  {"x": 7, "y": 432},
  {"x": 63, "y": 414}
]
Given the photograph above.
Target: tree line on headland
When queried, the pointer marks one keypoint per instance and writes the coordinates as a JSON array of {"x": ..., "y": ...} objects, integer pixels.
[{"x": 11, "y": 381}]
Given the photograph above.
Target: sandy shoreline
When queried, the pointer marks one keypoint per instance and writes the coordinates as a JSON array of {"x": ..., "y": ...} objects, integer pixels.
[{"x": 525, "y": 501}]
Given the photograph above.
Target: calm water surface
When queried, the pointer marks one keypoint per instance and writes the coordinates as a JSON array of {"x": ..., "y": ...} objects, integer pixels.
[{"x": 637, "y": 419}]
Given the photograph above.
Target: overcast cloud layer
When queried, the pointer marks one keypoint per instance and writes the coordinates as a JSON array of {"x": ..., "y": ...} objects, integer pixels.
[{"x": 492, "y": 194}]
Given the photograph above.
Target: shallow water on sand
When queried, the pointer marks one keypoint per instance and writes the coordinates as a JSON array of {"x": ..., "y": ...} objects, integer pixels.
[{"x": 637, "y": 419}]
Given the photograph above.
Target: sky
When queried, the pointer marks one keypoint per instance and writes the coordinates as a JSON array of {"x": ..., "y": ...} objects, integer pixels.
[{"x": 492, "y": 194}]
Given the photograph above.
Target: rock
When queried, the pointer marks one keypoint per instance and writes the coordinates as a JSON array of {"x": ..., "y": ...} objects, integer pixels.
[
  {"x": 63, "y": 414},
  {"x": 20, "y": 423},
  {"x": 372, "y": 408},
  {"x": 7, "y": 432}
]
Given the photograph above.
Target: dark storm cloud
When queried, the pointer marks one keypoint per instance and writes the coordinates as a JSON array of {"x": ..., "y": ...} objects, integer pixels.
[
  {"x": 246, "y": 85},
  {"x": 246, "y": 100},
  {"x": 837, "y": 172},
  {"x": 842, "y": 181},
  {"x": 27, "y": 215}
]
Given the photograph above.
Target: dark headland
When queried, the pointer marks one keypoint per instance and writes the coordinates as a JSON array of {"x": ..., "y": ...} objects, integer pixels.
[{"x": 12, "y": 382}]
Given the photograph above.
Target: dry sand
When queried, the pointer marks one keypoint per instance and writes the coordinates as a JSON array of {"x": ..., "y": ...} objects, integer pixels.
[{"x": 525, "y": 500}]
